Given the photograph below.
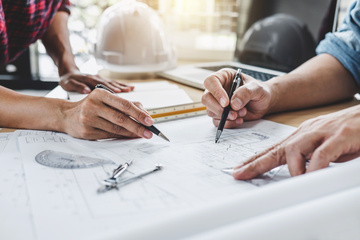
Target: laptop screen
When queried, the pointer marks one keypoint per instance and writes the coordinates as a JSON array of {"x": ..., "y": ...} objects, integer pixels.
[{"x": 317, "y": 17}]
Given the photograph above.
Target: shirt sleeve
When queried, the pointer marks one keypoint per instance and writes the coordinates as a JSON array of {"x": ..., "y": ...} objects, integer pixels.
[
  {"x": 344, "y": 44},
  {"x": 4, "y": 56},
  {"x": 65, "y": 6}
]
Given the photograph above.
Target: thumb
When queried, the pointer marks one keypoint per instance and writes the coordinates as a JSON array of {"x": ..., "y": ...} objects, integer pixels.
[{"x": 75, "y": 86}]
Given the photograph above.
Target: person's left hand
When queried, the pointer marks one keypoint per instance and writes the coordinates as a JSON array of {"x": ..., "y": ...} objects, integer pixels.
[
  {"x": 83, "y": 83},
  {"x": 322, "y": 140}
]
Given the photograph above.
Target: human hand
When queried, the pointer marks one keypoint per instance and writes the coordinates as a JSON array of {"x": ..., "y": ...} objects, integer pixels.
[
  {"x": 249, "y": 102},
  {"x": 83, "y": 83},
  {"x": 322, "y": 140},
  {"x": 103, "y": 115}
]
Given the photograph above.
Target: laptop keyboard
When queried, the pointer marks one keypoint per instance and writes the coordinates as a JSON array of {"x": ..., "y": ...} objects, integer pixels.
[{"x": 255, "y": 74}]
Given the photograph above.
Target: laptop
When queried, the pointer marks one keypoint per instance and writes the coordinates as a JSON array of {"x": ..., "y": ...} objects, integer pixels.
[{"x": 319, "y": 17}]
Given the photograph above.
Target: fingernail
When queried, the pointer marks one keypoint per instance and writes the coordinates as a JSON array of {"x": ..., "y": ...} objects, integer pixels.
[
  {"x": 232, "y": 116},
  {"x": 238, "y": 171},
  {"x": 149, "y": 120},
  {"x": 223, "y": 102},
  {"x": 239, "y": 121},
  {"x": 147, "y": 134},
  {"x": 86, "y": 90},
  {"x": 228, "y": 170},
  {"x": 242, "y": 112},
  {"x": 236, "y": 103}
]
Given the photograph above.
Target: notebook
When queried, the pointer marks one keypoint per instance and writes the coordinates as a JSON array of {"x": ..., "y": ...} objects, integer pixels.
[{"x": 319, "y": 17}]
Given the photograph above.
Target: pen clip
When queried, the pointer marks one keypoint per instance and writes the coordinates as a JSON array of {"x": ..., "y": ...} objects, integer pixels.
[{"x": 237, "y": 80}]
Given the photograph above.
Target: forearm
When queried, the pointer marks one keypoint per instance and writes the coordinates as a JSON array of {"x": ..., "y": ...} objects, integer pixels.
[
  {"x": 321, "y": 80},
  {"x": 57, "y": 44},
  {"x": 28, "y": 112}
]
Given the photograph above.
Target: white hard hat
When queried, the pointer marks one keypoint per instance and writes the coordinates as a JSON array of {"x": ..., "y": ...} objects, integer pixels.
[{"x": 131, "y": 39}]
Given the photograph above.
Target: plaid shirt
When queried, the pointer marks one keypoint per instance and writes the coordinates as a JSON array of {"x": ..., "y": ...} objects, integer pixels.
[{"x": 22, "y": 22}]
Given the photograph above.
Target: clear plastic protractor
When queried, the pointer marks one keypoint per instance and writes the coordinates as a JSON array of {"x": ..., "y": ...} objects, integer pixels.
[{"x": 56, "y": 159}]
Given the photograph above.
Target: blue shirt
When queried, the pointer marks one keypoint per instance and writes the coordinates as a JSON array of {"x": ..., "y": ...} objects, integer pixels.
[{"x": 344, "y": 44}]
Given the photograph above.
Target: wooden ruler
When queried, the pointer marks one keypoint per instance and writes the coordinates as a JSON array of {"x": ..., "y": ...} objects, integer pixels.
[{"x": 177, "y": 112}]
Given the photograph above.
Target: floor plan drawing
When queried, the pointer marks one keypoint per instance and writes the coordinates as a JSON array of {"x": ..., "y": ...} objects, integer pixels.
[{"x": 191, "y": 173}]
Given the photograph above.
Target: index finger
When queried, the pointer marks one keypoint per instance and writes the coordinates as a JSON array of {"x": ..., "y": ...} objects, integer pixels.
[
  {"x": 217, "y": 83},
  {"x": 273, "y": 158},
  {"x": 127, "y": 107},
  {"x": 262, "y": 162}
]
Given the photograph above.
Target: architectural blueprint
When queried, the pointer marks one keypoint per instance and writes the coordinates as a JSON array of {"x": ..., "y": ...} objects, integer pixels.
[
  {"x": 4, "y": 139},
  {"x": 191, "y": 175},
  {"x": 14, "y": 196}
]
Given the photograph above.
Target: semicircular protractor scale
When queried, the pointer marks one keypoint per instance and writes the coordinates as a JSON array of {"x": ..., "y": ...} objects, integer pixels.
[{"x": 57, "y": 159}]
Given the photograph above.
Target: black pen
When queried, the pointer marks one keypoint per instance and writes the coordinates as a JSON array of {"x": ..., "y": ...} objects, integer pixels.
[
  {"x": 152, "y": 128},
  {"x": 236, "y": 83}
]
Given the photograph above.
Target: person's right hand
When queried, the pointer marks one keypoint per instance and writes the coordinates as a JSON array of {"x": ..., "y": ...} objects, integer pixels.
[
  {"x": 103, "y": 115},
  {"x": 331, "y": 138},
  {"x": 250, "y": 101}
]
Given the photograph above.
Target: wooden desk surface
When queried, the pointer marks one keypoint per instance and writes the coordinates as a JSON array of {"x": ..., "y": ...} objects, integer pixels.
[{"x": 295, "y": 118}]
